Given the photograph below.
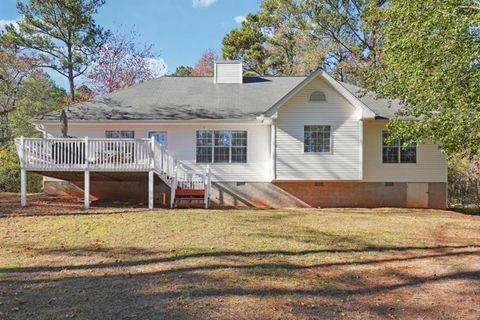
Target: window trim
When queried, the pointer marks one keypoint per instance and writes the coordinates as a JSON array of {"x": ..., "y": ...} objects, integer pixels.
[
  {"x": 331, "y": 139},
  {"x": 399, "y": 154},
  {"x": 212, "y": 131}
]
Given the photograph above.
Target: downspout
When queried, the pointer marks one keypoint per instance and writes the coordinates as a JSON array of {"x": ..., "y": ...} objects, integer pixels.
[
  {"x": 273, "y": 149},
  {"x": 273, "y": 143}
]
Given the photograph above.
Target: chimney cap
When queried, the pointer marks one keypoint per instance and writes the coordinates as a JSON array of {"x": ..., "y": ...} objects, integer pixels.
[{"x": 229, "y": 61}]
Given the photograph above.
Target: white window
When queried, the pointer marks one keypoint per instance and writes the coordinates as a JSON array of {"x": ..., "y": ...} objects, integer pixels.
[
  {"x": 124, "y": 149},
  {"x": 317, "y": 139},
  {"x": 204, "y": 146},
  {"x": 239, "y": 146},
  {"x": 394, "y": 153},
  {"x": 221, "y": 146},
  {"x": 120, "y": 134}
]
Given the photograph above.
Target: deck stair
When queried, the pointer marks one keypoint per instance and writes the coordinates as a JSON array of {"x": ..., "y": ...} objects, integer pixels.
[
  {"x": 112, "y": 155},
  {"x": 189, "y": 196}
]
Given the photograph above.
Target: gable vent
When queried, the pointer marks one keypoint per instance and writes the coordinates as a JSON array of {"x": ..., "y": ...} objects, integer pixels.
[{"x": 318, "y": 96}]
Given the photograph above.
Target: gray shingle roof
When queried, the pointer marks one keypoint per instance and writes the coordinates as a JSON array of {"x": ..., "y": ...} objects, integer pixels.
[
  {"x": 197, "y": 98},
  {"x": 381, "y": 107},
  {"x": 184, "y": 98}
]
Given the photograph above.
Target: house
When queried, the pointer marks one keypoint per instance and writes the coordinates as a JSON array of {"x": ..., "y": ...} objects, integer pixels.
[{"x": 236, "y": 141}]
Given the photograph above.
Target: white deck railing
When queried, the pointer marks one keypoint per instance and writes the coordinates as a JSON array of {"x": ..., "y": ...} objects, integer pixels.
[
  {"x": 74, "y": 154},
  {"x": 93, "y": 154}
]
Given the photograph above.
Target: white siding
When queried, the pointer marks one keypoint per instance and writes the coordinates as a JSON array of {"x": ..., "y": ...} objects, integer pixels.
[
  {"x": 181, "y": 142},
  {"x": 431, "y": 164},
  {"x": 228, "y": 72},
  {"x": 344, "y": 162}
]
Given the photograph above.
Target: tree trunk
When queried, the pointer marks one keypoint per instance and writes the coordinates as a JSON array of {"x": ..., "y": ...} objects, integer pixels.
[
  {"x": 4, "y": 128},
  {"x": 71, "y": 78},
  {"x": 72, "y": 84}
]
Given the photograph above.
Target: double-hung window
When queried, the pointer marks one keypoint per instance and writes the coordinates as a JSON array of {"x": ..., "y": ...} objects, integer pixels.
[
  {"x": 239, "y": 147},
  {"x": 317, "y": 139},
  {"x": 394, "y": 153},
  {"x": 221, "y": 146},
  {"x": 204, "y": 146}
]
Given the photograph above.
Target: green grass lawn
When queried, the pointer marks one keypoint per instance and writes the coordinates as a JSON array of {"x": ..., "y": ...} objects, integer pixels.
[{"x": 239, "y": 264}]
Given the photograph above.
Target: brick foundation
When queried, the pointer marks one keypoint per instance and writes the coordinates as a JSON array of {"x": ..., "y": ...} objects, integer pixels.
[
  {"x": 361, "y": 194},
  {"x": 264, "y": 195},
  {"x": 125, "y": 191}
]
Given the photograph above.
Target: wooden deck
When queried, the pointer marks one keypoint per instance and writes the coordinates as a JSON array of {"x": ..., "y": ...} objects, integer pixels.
[{"x": 60, "y": 157}]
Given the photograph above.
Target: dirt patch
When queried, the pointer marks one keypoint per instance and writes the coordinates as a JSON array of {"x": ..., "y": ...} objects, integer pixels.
[
  {"x": 40, "y": 204},
  {"x": 60, "y": 261}
]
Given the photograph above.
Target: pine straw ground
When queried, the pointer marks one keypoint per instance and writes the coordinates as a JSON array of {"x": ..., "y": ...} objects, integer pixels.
[{"x": 58, "y": 261}]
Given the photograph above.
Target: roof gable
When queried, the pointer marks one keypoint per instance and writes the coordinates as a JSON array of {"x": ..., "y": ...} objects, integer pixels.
[{"x": 350, "y": 97}]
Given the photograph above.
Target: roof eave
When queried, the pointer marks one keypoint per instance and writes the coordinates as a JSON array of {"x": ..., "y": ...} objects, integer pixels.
[{"x": 133, "y": 121}]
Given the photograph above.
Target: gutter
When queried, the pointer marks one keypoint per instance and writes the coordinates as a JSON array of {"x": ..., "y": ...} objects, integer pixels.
[{"x": 256, "y": 120}]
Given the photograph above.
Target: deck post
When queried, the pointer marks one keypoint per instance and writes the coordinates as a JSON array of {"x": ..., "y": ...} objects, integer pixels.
[
  {"x": 151, "y": 176},
  {"x": 150, "y": 189},
  {"x": 206, "y": 186},
  {"x": 273, "y": 150},
  {"x": 86, "y": 190},
  {"x": 23, "y": 187},
  {"x": 173, "y": 187},
  {"x": 23, "y": 174},
  {"x": 152, "y": 152},
  {"x": 85, "y": 154}
]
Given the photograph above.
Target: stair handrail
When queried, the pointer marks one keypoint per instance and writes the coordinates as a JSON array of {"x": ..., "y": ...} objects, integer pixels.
[{"x": 164, "y": 163}]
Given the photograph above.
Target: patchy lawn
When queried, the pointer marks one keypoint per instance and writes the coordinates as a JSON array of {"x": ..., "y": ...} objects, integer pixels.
[{"x": 58, "y": 261}]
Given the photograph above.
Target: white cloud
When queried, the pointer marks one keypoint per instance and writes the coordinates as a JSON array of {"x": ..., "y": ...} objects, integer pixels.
[
  {"x": 202, "y": 3},
  {"x": 239, "y": 19},
  {"x": 4, "y": 22}
]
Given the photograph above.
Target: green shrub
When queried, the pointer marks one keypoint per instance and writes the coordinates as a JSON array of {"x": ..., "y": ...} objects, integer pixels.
[
  {"x": 464, "y": 182},
  {"x": 10, "y": 174}
]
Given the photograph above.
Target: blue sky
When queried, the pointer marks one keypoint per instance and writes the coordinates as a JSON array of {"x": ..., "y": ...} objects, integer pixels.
[{"x": 180, "y": 30}]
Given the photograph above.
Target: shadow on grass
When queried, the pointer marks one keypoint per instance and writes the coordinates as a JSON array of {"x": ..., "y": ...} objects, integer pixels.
[
  {"x": 475, "y": 211},
  {"x": 186, "y": 291},
  {"x": 246, "y": 254}
]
